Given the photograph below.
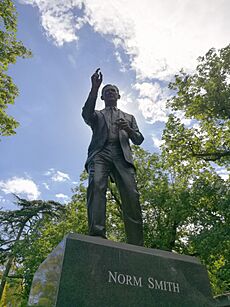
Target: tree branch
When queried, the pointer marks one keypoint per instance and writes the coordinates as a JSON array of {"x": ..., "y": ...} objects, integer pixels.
[{"x": 211, "y": 156}]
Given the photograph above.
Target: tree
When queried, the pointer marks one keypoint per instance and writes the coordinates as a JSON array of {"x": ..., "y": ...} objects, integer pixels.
[
  {"x": 205, "y": 231},
  {"x": 204, "y": 97},
  {"x": 185, "y": 206},
  {"x": 10, "y": 50},
  {"x": 17, "y": 229},
  {"x": 209, "y": 237},
  {"x": 46, "y": 232}
]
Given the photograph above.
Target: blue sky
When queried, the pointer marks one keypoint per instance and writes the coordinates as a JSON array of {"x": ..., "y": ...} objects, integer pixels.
[{"x": 139, "y": 46}]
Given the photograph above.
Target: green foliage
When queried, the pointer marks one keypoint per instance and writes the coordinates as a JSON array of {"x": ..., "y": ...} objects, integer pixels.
[
  {"x": 19, "y": 229},
  {"x": 10, "y": 50},
  {"x": 205, "y": 94},
  {"x": 185, "y": 208},
  {"x": 46, "y": 230},
  {"x": 205, "y": 97},
  {"x": 205, "y": 230}
]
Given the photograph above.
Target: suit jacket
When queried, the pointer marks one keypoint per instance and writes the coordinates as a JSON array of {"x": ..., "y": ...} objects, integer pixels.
[{"x": 97, "y": 121}]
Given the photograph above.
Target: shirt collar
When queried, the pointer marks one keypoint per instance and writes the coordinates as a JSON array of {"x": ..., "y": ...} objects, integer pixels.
[{"x": 109, "y": 108}]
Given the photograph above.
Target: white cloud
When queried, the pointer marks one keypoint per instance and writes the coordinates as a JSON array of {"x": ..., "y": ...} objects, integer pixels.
[
  {"x": 57, "y": 176},
  {"x": 162, "y": 36},
  {"x": 152, "y": 101},
  {"x": 183, "y": 119},
  {"x": 223, "y": 173},
  {"x": 58, "y": 19},
  {"x": 63, "y": 197},
  {"x": 2, "y": 199},
  {"x": 159, "y": 37},
  {"x": 72, "y": 60},
  {"x": 123, "y": 65},
  {"x": 126, "y": 102},
  {"x": 49, "y": 172},
  {"x": 156, "y": 141},
  {"x": 60, "y": 176},
  {"x": 46, "y": 185},
  {"x": 60, "y": 195},
  {"x": 20, "y": 186}
]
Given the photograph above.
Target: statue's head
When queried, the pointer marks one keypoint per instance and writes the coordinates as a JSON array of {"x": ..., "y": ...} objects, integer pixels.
[{"x": 110, "y": 94}]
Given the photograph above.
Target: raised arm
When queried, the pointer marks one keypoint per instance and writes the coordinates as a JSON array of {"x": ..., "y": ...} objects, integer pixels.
[{"x": 88, "y": 110}]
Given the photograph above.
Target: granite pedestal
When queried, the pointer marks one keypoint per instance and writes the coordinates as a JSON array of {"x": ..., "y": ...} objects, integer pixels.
[{"x": 89, "y": 271}]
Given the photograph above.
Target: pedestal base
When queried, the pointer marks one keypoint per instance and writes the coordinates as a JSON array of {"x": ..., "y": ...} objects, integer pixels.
[{"x": 89, "y": 271}]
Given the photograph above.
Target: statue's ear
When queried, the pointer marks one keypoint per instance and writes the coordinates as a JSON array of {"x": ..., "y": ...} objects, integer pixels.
[{"x": 119, "y": 96}]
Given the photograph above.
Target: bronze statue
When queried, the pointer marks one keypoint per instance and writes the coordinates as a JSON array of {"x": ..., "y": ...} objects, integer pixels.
[{"x": 109, "y": 154}]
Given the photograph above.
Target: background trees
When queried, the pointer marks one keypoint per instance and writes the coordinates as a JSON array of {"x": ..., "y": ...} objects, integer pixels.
[
  {"x": 18, "y": 231},
  {"x": 203, "y": 96},
  {"x": 10, "y": 50}
]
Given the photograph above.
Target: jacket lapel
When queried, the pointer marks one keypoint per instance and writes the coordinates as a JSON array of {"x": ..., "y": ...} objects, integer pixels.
[{"x": 105, "y": 118}]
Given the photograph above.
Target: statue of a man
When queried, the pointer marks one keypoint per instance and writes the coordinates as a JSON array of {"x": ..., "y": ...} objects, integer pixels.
[{"x": 109, "y": 154}]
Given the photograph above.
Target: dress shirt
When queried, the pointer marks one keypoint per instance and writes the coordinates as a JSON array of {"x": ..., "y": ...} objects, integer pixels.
[{"x": 112, "y": 115}]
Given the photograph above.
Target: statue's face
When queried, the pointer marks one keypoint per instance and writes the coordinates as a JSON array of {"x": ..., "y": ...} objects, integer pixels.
[{"x": 110, "y": 95}]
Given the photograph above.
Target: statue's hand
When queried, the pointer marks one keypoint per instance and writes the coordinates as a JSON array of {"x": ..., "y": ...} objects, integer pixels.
[
  {"x": 96, "y": 79},
  {"x": 123, "y": 124}
]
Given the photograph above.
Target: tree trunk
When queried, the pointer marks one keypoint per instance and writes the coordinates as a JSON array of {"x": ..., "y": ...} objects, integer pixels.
[
  {"x": 173, "y": 236},
  {"x": 9, "y": 262},
  {"x": 5, "y": 274}
]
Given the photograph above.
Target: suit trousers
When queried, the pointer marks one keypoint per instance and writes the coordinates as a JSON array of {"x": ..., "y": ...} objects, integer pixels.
[{"x": 111, "y": 161}]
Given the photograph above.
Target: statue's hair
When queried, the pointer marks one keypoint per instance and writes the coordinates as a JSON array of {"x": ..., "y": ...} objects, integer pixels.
[{"x": 103, "y": 89}]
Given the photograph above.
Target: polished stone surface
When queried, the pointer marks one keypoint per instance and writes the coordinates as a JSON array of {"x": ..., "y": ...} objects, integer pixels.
[
  {"x": 44, "y": 290},
  {"x": 89, "y": 271}
]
